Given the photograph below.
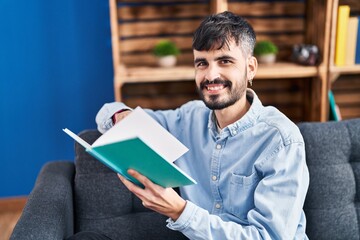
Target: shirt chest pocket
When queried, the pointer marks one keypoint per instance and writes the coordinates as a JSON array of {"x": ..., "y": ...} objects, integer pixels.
[{"x": 241, "y": 194}]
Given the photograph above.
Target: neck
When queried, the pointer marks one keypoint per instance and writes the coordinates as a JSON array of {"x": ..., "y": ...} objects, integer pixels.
[{"x": 233, "y": 113}]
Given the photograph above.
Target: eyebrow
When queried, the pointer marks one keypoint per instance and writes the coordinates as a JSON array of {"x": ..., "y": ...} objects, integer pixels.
[
  {"x": 225, "y": 57},
  {"x": 197, "y": 60}
]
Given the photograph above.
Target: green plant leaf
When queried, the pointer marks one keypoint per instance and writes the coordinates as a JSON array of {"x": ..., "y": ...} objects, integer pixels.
[
  {"x": 165, "y": 48},
  {"x": 265, "y": 47}
]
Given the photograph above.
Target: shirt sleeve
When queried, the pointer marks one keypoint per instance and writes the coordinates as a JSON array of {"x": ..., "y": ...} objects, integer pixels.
[
  {"x": 280, "y": 195},
  {"x": 104, "y": 116},
  {"x": 278, "y": 199},
  {"x": 197, "y": 223}
]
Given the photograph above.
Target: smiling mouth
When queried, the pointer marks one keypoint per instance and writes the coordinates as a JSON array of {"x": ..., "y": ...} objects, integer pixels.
[{"x": 215, "y": 86}]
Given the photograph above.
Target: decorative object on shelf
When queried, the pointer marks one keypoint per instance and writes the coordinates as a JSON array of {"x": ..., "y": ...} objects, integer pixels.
[
  {"x": 166, "y": 52},
  {"x": 306, "y": 54},
  {"x": 265, "y": 52}
]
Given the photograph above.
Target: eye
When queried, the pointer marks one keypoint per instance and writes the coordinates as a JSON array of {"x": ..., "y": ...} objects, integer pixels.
[
  {"x": 201, "y": 64},
  {"x": 225, "y": 61}
]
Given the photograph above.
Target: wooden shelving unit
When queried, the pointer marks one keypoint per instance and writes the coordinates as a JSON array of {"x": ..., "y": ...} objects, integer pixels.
[
  {"x": 136, "y": 28},
  {"x": 354, "y": 69},
  {"x": 344, "y": 80}
]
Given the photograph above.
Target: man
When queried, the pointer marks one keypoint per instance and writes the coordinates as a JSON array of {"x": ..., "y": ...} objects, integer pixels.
[{"x": 248, "y": 160}]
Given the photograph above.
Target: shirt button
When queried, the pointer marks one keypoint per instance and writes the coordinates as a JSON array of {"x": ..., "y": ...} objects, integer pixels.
[
  {"x": 214, "y": 178},
  {"x": 217, "y": 206},
  {"x": 218, "y": 146},
  {"x": 234, "y": 132}
]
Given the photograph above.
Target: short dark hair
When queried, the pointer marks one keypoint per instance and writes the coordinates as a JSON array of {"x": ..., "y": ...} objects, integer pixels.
[{"x": 216, "y": 31}]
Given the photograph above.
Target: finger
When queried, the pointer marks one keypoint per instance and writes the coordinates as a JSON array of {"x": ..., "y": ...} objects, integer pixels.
[
  {"x": 141, "y": 178},
  {"x": 120, "y": 177},
  {"x": 128, "y": 184},
  {"x": 121, "y": 115},
  {"x": 137, "y": 191},
  {"x": 117, "y": 117}
]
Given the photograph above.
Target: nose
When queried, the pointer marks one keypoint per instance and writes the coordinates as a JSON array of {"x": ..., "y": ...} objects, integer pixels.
[{"x": 212, "y": 72}]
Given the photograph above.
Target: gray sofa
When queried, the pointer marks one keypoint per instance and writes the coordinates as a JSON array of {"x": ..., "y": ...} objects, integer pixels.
[{"x": 70, "y": 197}]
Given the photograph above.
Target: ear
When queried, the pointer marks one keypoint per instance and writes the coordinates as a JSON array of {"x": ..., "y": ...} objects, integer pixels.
[{"x": 252, "y": 67}]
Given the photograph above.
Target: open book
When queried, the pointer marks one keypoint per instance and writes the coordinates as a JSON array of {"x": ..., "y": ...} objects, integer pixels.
[{"x": 140, "y": 143}]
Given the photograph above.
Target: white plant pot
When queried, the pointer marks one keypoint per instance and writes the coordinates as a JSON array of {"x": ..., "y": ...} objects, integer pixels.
[
  {"x": 167, "y": 61},
  {"x": 267, "y": 58}
]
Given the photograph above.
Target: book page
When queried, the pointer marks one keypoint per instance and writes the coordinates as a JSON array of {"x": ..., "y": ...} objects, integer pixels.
[
  {"x": 139, "y": 124},
  {"x": 77, "y": 138}
]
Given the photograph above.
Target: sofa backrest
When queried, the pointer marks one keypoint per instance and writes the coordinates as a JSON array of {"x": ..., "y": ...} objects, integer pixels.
[{"x": 333, "y": 157}]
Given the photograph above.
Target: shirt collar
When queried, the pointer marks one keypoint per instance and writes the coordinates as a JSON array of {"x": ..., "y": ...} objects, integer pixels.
[{"x": 243, "y": 123}]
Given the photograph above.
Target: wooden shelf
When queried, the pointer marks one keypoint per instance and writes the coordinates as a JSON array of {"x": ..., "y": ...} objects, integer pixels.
[
  {"x": 180, "y": 73},
  {"x": 353, "y": 69},
  {"x": 285, "y": 70},
  {"x": 337, "y": 71},
  {"x": 156, "y": 74}
]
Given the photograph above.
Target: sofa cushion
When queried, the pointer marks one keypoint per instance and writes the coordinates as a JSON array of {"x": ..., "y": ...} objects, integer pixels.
[
  {"x": 333, "y": 158},
  {"x": 103, "y": 204}
]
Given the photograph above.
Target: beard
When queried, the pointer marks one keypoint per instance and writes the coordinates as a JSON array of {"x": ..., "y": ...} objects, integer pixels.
[{"x": 234, "y": 92}]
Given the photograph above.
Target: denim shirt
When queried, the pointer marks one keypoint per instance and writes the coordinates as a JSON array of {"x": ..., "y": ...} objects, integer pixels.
[{"x": 252, "y": 175}]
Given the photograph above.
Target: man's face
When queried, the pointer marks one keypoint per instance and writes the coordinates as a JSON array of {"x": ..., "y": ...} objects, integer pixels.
[{"x": 221, "y": 76}]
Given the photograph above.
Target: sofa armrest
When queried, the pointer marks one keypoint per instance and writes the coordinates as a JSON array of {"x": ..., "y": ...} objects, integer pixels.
[{"x": 48, "y": 213}]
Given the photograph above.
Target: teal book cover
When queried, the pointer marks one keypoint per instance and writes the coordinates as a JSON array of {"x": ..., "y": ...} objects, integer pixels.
[
  {"x": 334, "y": 111},
  {"x": 142, "y": 159},
  {"x": 138, "y": 142}
]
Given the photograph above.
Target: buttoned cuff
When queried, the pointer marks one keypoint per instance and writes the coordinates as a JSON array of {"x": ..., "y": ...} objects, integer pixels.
[
  {"x": 185, "y": 218},
  {"x": 104, "y": 116}
]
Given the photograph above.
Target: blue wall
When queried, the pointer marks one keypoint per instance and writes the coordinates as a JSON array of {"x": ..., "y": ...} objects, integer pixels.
[{"x": 55, "y": 72}]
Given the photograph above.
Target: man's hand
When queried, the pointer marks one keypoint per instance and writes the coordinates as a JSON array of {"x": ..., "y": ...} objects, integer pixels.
[
  {"x": 117, "y": 117},
  {"x": 162, "y": 200}
]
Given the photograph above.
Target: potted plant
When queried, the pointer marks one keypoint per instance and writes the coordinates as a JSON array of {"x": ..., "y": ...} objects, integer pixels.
[
  {"x": 166, "y": 52},
  {"x": 265, "y": 51}
]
